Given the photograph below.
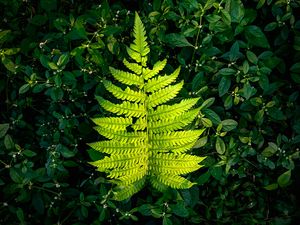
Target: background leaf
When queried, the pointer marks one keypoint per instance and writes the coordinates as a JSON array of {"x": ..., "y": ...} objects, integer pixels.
[
  {"x": 220, "y": 146},
  {"x": 284, "y": 179},
  {"x": 177, "y": 40},
  {"x": 256, "y": 37},
  {"x": 229, "y": 124},
  {"x": 236, "y": 9},
  {"x": 3, "y": 129}
]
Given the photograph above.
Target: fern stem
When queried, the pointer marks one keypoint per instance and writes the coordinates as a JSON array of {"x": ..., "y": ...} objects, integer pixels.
[{"x": 146, "y": 115}]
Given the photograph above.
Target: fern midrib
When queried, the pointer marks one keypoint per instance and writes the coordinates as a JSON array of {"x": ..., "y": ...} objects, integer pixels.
[{"x": 146, "y": 116}]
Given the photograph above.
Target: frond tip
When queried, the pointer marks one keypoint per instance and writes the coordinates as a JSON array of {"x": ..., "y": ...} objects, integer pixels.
[
  {"x": 145, "y": 139},
  {"x": 139, "y": 44}
]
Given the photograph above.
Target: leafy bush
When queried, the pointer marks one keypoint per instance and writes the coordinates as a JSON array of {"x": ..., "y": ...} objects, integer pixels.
[{"x": 240, "y": 58}]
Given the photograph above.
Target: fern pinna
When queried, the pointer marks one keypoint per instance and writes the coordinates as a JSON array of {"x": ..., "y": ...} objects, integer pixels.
[{"x": 146, "y": 140}]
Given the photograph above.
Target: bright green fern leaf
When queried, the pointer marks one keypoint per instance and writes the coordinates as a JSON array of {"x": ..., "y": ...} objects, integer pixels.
[
  {"x": 134, "y": 67},
  {"x": 164, "y": 111},
  {"x": 159, "y": 82},
  {"x": 147, "y": 139},
  {"x": 127, "y": 94}
]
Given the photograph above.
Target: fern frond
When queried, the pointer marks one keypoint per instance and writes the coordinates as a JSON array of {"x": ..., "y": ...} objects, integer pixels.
[
  {"x": 126, "y": 77},
  {"x": 164, "y": 95},
  {"x": 117, "y": 147},
  {"x": 122, "y": 136},
  {"x": 164, "y": 111},
  {"x": 114, "y": 123},
  {"x": 125, "y": 108},
  {"x": 160, "y": 82},
  {"x": 158, "y": 66},
  {"x": 124, "y": 192},
  {"x": 127, "y": 94},
  {"x": 174, "y": 138},
  {"x": 147, "y": 139},
  {"x": 134, "y": 67},
  {"x": 172, "y": 124}
]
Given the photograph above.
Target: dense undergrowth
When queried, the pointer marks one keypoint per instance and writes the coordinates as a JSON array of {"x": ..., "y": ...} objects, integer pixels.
[{"x": 241, "y": 58}]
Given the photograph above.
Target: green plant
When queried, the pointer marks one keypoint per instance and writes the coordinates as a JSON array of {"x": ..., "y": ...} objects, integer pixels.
[{"x": 146, "y": 143}]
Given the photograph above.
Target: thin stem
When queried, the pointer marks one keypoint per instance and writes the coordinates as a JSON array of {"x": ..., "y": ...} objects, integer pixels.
[
  {"x": 197, "y": 38},
  {"x": 6, "y": 165},
  {"x": 67, "y": 217},
  {"x": 44, "y": 189},
  {"x": 6, "y": 93},
  {"x": 250, "y": 162},
  {"x": 146, "y": 113}
]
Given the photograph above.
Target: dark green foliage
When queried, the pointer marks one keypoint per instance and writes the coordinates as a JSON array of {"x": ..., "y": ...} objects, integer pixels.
[{"x": 240, "y": 58}]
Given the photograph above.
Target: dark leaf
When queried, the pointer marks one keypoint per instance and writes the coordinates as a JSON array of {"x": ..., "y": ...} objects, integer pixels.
[
  {"x": 271, "y": 187},
  {"x": 63, "y": 59},
  {"x": 48, "y": 5},
  {"x": 210, "y": 114},
  {"x": 3, "y": 129},
  {"x": 227, "y": 71},
  {"x": 203, "y": 178},
  {"x": 224, "y": 86},
  {"x": 38, "y": 203},
  {"x": 8, "y": 142},
  {"x": 284, "y": 179},
  {"x": 167, "y": 221},
  {"x": 9, "y": 65},
  {"x": 24, "y": 88},
  {"x": 229, "y": 124},
  {"x": 207, "y": 103},
  {"x": 179, "y": 209},
  {"x": 252, "y": 57},
  {"x": 177, "y": 40},
  {"x": 216, "y": 172},
  {"x": 15, "y": 176},
  {"x": 256, "y": 37},
  {"x": 220, "y": 146},
  {"x": 236, "y": 10},
  {"x": 28, "y": 153}
]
